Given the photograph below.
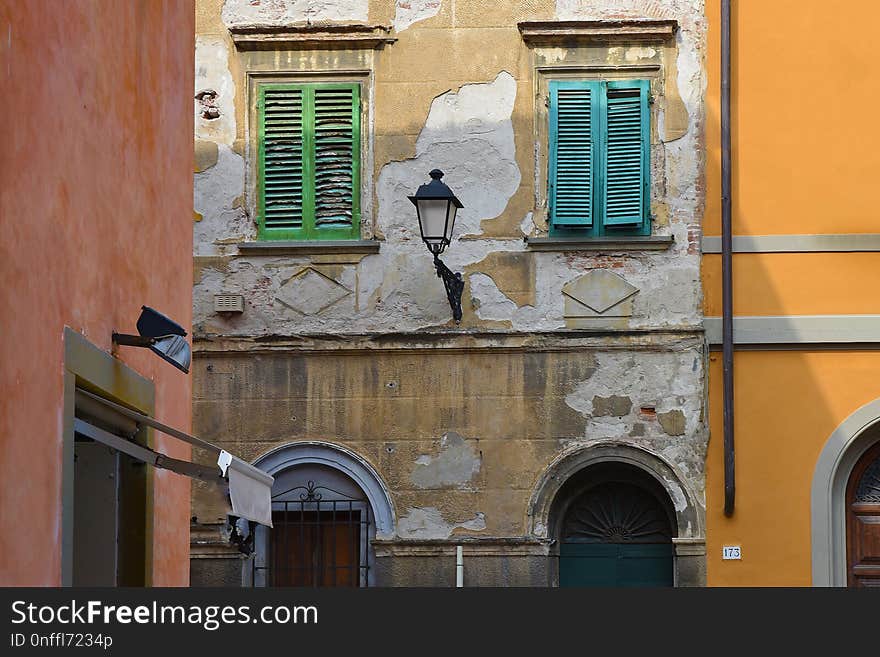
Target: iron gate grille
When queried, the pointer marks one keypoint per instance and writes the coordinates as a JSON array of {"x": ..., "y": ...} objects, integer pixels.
[{"x": 320, "y": 540}]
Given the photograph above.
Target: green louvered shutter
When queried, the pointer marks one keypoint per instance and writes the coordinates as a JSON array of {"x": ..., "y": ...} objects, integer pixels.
[
  {"x": 627, "y": 164},
  {"x": 337, "y": 158},
  {"x": 281, "y": 111},
  {"x": 572, "y": 162},
  {"x": 309, "y": 161}
]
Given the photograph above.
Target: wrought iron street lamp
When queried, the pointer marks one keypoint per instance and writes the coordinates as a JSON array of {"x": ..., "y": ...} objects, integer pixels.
[{"x": 436, "y": 206}]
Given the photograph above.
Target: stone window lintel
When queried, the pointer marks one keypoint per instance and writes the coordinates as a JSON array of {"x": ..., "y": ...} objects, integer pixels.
[
  {"x": 311, "y": 36},
  {"x": 566, "y": 32}
]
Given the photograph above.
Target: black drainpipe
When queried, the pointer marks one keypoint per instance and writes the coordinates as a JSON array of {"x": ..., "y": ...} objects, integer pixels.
[{"x": 727, "y": 265}]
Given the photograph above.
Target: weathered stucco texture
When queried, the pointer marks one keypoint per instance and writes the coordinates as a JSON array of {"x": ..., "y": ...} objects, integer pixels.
[
  {"x": 285, "y": 12},
  {"x": 471, "y": 116},
  {"x": 95, "y": 209},
  {"x": 479, "y": 410}
]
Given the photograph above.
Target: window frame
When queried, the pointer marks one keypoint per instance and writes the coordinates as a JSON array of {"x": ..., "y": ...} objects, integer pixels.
[
  {"x": 360, "y": 205},
  {"x": 599, "y": 87}
]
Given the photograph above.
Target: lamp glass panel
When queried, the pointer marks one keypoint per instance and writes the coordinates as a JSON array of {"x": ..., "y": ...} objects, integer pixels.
[
  {"x": 450, "y": 221},
  {"x": 175, "y": 350},
  {"x": 432, "y": 214}
]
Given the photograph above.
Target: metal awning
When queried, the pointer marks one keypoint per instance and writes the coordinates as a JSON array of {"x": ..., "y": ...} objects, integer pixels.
[{"x": 250, "y": 489}]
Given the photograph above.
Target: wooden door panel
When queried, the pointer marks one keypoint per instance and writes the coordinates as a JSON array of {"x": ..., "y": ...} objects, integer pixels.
[{"x": 866, "y": 535}]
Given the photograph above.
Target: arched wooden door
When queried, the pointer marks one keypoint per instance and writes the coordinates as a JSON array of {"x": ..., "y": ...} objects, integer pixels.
[
  {"x": 863, "y": 521},
  {"x": 616, "y": 533}
]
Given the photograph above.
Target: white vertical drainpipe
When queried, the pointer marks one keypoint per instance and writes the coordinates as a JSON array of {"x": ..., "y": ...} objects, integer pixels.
[{"x": 459, "y": 567}]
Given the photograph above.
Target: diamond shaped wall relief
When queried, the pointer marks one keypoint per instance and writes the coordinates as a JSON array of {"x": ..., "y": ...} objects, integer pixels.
[
  {"x": 310, "y": 292},
  {"x": 598, "y": 291}
]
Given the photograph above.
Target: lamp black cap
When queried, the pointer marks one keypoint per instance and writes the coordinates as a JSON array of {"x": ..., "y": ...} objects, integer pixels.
[
  {"x": 436, "y": 190},
  {"x": 153, "y": 324}
]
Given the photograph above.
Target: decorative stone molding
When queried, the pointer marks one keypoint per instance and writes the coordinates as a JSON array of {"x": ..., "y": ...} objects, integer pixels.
[
  {"x": 471, "y": 547},
  {"x": 311, "y": 36},
  {"x": 310, "y": 291},
  {"x": 798, "y": 330},
  {"x": 599, "y": 298},
  {"x": 829, "y": 243},
  {"x": 339, "y": 458},
  {"x": 456, "y": 340},
  {"x": 577, "y": 32},
  {"x": 689, "y": 512},
  {"x": 598, "y": 291}
]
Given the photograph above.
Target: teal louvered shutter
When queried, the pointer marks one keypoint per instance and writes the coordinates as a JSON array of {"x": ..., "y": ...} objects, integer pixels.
[
  {"x": 281, "y": 114},
  {"x": 626, "y": 164},
  {"x": 336, "y": 160},
  {"x": 309, "y": 164},
  {"x": 573, "y": 121}
]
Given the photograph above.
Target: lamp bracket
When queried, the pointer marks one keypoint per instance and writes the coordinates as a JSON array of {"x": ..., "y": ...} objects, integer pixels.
[
  {"x": 126, "y": 340},
  {"x": 132, "y": 340},
  {"x": 454, "y": 287}
]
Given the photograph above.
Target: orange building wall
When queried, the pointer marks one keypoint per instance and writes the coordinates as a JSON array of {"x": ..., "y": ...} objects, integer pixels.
[
  {"x": 787, "y": 406},
  {"x": 805, "y": 157},
  {"x": 804, "y": 111},
  {"x": 796, "y": 283},
  {"x": 96, "y": 207}
]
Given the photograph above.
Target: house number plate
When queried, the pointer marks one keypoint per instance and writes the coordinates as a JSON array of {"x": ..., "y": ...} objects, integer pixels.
[{"x": 731, "y": 552}]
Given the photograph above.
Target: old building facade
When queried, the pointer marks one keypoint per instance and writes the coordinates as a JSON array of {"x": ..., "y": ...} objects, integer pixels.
[{"x": 560, "y": 427}]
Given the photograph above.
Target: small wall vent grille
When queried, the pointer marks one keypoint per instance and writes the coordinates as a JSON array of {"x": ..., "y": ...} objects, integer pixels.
[{"x": 228, "y": 303}]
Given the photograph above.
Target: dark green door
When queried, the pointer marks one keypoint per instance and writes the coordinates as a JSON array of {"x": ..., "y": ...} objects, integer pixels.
[
  {"x": 610, "y": 564},
  {"x": 616, "y": 533}
]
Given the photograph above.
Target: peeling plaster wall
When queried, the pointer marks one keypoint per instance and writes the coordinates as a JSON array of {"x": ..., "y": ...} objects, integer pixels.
[
  {"x": 283, "y": 12},
  {"x": 428, "y": 523},
  {"x": 456, "y": 91},
  {"x": 217, "y": 200},
  {"x": 407, "y": 12},
  {"x": 456, "y": 464},
  {"x": 477, "y": 135},
  {"x": 468, "y": 134},
  {"x": 630, "y": 395},
  {"x": 213, "y": 74}
]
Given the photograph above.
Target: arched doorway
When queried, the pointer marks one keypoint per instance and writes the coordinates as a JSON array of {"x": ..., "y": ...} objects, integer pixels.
[
  {"x": 863, "y": 521},
  {"x": 615, "y": 526},
  {"x": 842, "y": 520},
  {"x": 569, "y": 473},
  {"x": 328, "y": 504}
]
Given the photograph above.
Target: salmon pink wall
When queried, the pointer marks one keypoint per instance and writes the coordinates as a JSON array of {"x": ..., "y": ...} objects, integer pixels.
[{"x": 96, "y": 207}]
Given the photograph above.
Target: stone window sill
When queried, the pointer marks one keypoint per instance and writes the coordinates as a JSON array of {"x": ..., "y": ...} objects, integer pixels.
[
  {"x": 309, "y": 248},
  {"x": 635, "y": 243}
]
